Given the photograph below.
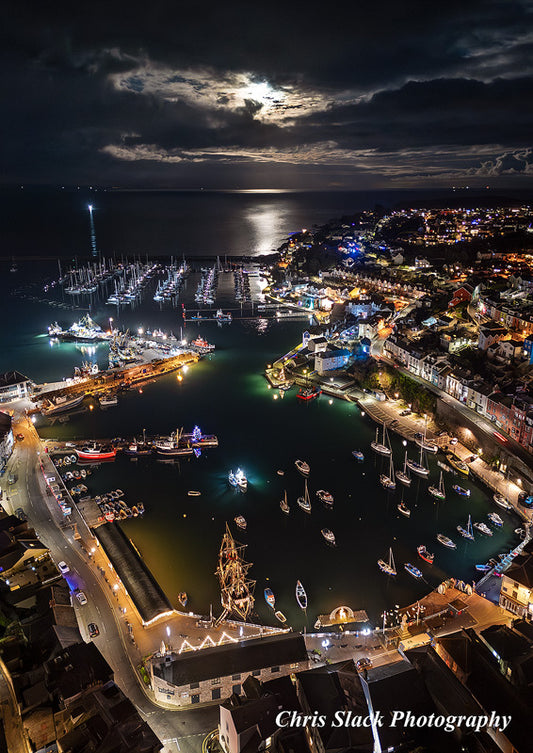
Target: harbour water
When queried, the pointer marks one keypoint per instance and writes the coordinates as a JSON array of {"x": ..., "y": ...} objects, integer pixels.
[{"x": 261, "y": 432}]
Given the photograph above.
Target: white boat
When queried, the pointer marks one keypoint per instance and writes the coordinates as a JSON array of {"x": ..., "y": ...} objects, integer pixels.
[
  {"x": 412, "y": 570},
  {"x": 304, "y": 502},
  {"x": 460, "y": 490},
  {"x": 445, "y": 541},
  {"x": 303, "y": 467},
  {"x": 418, "y": 467},
  {"x": 424, "y": 443},
  {"x": 389, "y": 568},
  {"x": 62, "y": 404},
  {"x": 325, "y": 497},
  {"x": 107, "y": 400},
  {"x": 281, "y": 617},
  {"x": 387, "y": 481},
  {"x": 285, "y": 505},
  {"x": 232, "y": 479},
  {"x": 502, "y": 502},
  {"x": 495, "y": 519},
  {"x": 467, "y": 532},
  {"x": 328, "y": 535},
  {"x": 301, "y": 596},
  {"x": 240, "y": 521},
  {"x": 402, "y": 507},
  {"x": 381, "y": 448},
  {"x": 358, "y": 455},
  {"x": 242, "y": 481},
  {"x": 403, "y": 476},
  {"x": 439, "y": 492},
  {"x": 483, "y": 527},
  {"x": 193, "y": 493}
]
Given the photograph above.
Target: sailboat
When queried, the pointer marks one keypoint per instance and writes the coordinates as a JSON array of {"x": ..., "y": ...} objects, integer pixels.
[
  {"x": 424, "y": 443},
  {"x": 381, "y": 447},
  {"x": 388, "y": 482},
  {"x": 467, "y": 532},
  {"x": 403, "y": 476},
  {"x": 304, "y": 502},
  {"x": 284, "y": 504},
  {"x": 389, "y": 568},
  {"x": 439, "y": 491},
  {"x": 418, "y": 467},
  {"x": 301, "y": 596}
]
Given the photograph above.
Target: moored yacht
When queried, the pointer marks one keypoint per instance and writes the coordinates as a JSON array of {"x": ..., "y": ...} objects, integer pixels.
[
  {"x": 445, "y": 541},
  {"x": 389, "y": 568},
  {"x": 387, "y": 481},
  {"x": 402, "y": 507},
  {"x": 457, "y": 463},
  {"x": 325, "y": 497},
  {"x": 402, "y": 476},
  {"x": 495, "y": 519},
  {"x": 483, "y": 527},
  {"x": 439, "y": 491},
  {"x": 460, "y": 490},
  {"x": 303, "y": 467},
  {"x": 304, "y": 502},
  {"x": 502, "y": 502},
  {"x": 328, "y": 535},
  {"x": 358, "y": 455},
  {"x": 269, "y": 597},
  {"x": 301, "y": 596},
  {"x": 467, "y": 533},
  {"x": 382, "y": 448}
]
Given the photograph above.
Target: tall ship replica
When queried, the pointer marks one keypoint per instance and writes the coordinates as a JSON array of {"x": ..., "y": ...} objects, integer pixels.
[{"x": 236, "y": 589}]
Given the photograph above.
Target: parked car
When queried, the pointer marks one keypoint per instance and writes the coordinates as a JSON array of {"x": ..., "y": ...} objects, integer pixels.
[
  {"x": 92, "y": 627},
  {"x": 81, "y": 598},
  {"x": 453, "y": 440},
  {"x": 405, "y": 412},
  {"x": 394, "y": 423},
  {"x": 63, "y": 567},
  {"x": 362, "y": 664}
]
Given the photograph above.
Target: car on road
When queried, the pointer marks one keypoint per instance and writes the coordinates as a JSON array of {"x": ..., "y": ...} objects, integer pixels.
[
  {"x": 92, "y": 627},
  {"x": 405, "y": 412},
  {"x": 63, "y": 567},
  {"x": 20, "y": 437},
  {"x": 394, "y": 423},
  {"x": 363, "y": 663},
  {"x": 453, "y": 440},
  {"x": 81, "y": 598},
  {"x": 419, "y": 435}
]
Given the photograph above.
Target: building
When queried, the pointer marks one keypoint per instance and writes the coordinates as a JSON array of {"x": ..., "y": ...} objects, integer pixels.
[
  {"x": 14, "y": 386},
  {"x": 6, "y": 440},
  {"x": 510, "y": 350},
  {"x": 528, "y": 349},
  {"x": 516, "y": 593},
  {"x": 490, "y": 333},
  {"x": 461, "y": 295},
  {"x": 332, "y": 359},
  {"x": 215, "y": 673}
]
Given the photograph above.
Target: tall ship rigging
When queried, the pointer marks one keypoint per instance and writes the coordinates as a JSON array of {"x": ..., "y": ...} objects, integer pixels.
[{"x": 236, "y": 589}]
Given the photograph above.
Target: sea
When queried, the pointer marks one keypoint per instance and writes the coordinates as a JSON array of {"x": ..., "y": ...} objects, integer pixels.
[{"x": 260, "y": 430}]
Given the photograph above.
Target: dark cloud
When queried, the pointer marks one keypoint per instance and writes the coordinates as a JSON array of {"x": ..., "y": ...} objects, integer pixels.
[{"x": 131, "y": 92}]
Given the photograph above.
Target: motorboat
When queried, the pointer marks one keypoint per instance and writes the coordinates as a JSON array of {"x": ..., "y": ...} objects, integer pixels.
[
  {"x": 403, "y": 476},
  {"x": 483, "y": 568},
  {"x": 445, "y": 541},
  {"x": 96, "y": 452},
  {"x": 304, "y": 502},
  {"x": 358, "y": 455},
  {"x": 402, "y": 507},
  {"x": 303, "y": 467},
  {"x": 387, "y": 481},
  {"x": 138, "y": 448},
  {"x": 439, "y": 491},
  {"x": 325, "y": 497},
  {"x": 502, "y": 502},
  {"x": 495, "y": 519},
  {"x": 202, "y": 344},
  {"x": 460, "y": 490},
  {"x": 457, "y": 463},
  {"x": 389, "y": 568},
  {"x": 483, "y": 527},
  {"x": 193, "y": 493},
  {"x": 183, "y": 598},
  {"x": 308, "y": 393},
  {"x": 281, "y": 617},
  {"x": 269, "y": 597},
  {"x": 301, "y": 596},
  {"x": 240, "y": 521},
  {"x": 412, "y": 570},
  {"x": 328, "y": 535},
  {"x": 382, "y": 448},
  {"x": 285, "y": 505},
  {"x": 467, "y": 533},
  {"x": 424, "y": 554},
  {"x": 107, "y": 400}
]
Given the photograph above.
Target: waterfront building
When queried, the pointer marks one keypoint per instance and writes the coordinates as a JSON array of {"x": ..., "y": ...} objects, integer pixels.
[
  {"x": 14, "y": 386},
  {"x": 516, "y": 594},
  {"x": 214, "y": 673},
  {"x": 6, "y": 440},
  {"x": 332, "y": 359}
]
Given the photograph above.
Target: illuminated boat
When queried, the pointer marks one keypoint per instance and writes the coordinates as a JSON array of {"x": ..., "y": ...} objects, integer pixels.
[
  {"x": 285, "y": 505},
  {"x": 183, "y": 598},
  {"x": 301, "y": 596},
  {"x": 403, "y": 476},
  {"x": 389, "y": 568},
  {"x": 457, "y": 463},
  {"x": 439, "y": 491},
  {"x": 328, "y": 535},
  {"x": 495, "y": 519},
  {"x": 483, "y": 527},
  {"x": 303, "y": 467},
  {"x": 96, "y": 452},
  {"x": 460, "y": 490},
  {"x": 402, "y": 507},
  {"x": 467, "y": 533},
  {"x": 240, "y": 521},
  {"x": 412, "y": 570},
  {"x": 62, "y": 404},
  {"x": 501, "y": 501},
  {"x": 308, "y": 393},
  {"x": 304, "y": 502},
  {"x": 445, "y": 541},
  {"x": 269, "y": 597},
  {"x": 424, "y": 554},
  {"x": 358, "y": 455},
  {"x": 325, "y": 497},
  {"x": 281, "y": 617}
]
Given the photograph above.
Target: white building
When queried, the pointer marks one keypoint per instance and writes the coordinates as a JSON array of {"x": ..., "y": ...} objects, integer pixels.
[{"x": 14, "y": 386}]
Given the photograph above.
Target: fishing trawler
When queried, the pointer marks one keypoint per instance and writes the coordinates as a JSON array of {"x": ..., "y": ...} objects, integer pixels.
[
  {"x": 403, "y": 476},
  {"x": 172, "y": 446},
  {"x": 389, "y": 568},
  {"x": 304, "y": 502},
  {"x": 382, "y": 448},
  {"x": 308, "y": 393},
  {"x": 301, "y": 596},
  {"x": 61, "y": 404},
  {"x": 96, "y": 452},
  {"x": 439, "y": 492}
]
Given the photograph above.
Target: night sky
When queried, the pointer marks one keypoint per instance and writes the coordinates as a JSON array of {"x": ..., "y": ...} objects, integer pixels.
[{"x": 255, "y": 94}]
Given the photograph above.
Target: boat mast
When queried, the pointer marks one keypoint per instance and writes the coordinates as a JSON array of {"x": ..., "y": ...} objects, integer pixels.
[{"x": 236, "y": 589}]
